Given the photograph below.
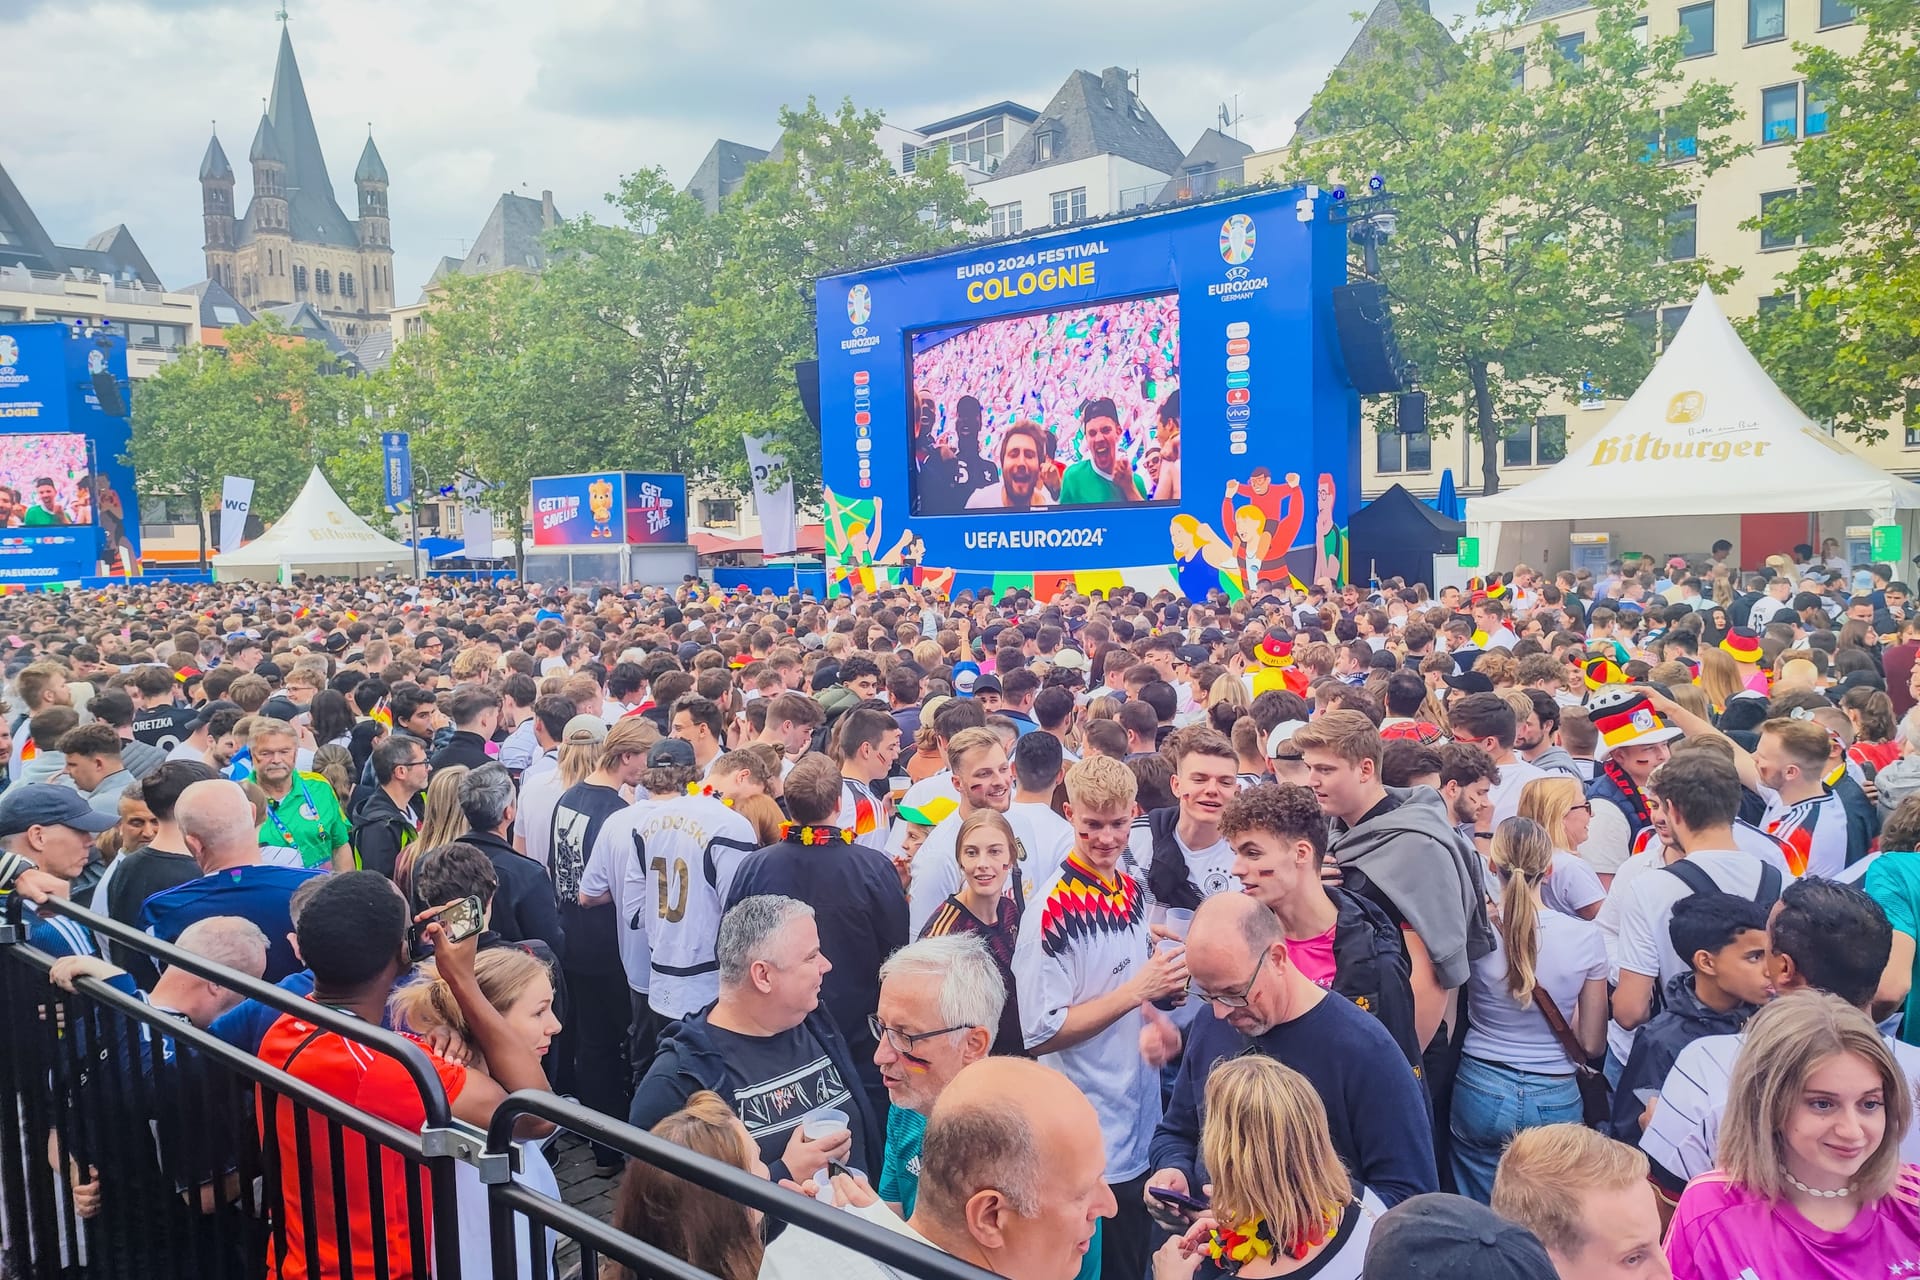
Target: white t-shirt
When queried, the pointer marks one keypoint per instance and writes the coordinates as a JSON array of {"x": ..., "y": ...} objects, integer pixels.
[
  {"x": 615, "y": 868},
  {"x": 1684, "y": 1135},
  {"x": 694, "y": 844},
  {"x": 1609, "y": 839},
  {"x": 798, "y": 1254},
  {"x": 1080, "y": 940},
  {"x": 1571, "y": 953},
  {"x": 1814, "y": 831},
  {"x": 936, "y": 870},
  {"x": 533, "y": 820},
  {"x": 1505, "y": 794},
  {"x": 1210, "y": 868},
  {"x": 1570, "y": 889},
  {"x": 1647, "y": 905}
]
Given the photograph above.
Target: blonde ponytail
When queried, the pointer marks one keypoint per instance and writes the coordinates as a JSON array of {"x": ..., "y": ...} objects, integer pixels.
[{"x": 1523, "y": 854}]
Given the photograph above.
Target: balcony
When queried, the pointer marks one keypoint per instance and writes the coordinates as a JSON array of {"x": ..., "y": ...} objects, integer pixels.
[{"x": 91, "y": 288}]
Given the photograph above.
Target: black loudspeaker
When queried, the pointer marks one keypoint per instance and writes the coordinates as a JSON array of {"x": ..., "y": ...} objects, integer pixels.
[
  {"x": 1410, "y": 413},
  {"x": 806, "y": 376},
  {"x": 1365, "y": 326},
  {"x": 108, "y": 392}
]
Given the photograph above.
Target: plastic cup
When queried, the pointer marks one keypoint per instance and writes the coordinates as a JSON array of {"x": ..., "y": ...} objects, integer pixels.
[
  {"x": 824, "y": 1123},
  {"x": 1176, "y": 921}
]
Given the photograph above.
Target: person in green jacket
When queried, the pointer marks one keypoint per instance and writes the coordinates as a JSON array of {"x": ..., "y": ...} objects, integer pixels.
[{"x": 1105, "y": 475}]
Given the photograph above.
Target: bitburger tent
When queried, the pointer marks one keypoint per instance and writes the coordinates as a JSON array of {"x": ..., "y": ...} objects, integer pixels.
[
  {"x": 1706, "y": 439},
  {"x": 1397, "y": 536},
  {"x": 319, "y": 534}
]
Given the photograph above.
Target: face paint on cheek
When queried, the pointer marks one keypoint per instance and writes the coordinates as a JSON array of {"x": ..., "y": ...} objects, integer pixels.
[{"x": 915, "y": 1067}]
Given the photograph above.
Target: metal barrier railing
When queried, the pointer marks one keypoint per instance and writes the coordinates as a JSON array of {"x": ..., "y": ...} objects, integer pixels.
[
  {"x": 134, "y": 1144},
  {"x": 510, "y": 1201}
]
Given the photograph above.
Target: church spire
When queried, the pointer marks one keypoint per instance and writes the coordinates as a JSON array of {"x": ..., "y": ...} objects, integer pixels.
[
  {"x": 213, "y": 165},
  {"x": 293, "y": 123},
  {"x": 371, "y": 168}
]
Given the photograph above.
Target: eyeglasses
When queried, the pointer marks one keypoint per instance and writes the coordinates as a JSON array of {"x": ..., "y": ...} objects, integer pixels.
[
  {"x": 1582, "y": 807},
  {"x": 411, "y": 764},
  {"x": 1231, "y": 1000},
  {"x": 902, "y": 1042}
]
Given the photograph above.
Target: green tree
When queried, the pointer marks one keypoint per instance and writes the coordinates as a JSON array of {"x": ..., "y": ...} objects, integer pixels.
[
  {"x": 1849, "y": 351},
  {"x": 268, "y": 405},
  {"x": 830, "y": 201},
  {"x": 1530, "y": 246}
]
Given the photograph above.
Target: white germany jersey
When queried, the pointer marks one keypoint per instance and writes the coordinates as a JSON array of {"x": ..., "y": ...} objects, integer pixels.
[{"x": 689, "y": 848}]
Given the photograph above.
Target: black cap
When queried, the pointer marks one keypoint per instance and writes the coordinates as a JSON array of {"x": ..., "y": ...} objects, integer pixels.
[
  {"x": 670, "y": 751},
  {"x": 1443, "y": 1237},
  {"x": 986, "y": 684},
  {"x": 41, "y": 804},
  {"x": 208, "y": 711},
  {"x": 1213, "y": 635},
  {"x": 1470, "y": 682},
  {"x": 1194, "y": 654}
]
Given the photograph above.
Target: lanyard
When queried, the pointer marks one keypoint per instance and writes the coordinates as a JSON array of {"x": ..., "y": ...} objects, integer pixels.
[{"x": 273, "y": 810}]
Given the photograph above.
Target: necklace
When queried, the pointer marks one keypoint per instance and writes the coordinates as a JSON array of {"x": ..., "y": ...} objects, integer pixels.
[{"x": 1839, "y": 1193}]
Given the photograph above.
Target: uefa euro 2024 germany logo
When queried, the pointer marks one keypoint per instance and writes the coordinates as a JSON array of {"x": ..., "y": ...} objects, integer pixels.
[
  {"x": 1236, "y": 239},
  {"x": 859, "y": 304}
]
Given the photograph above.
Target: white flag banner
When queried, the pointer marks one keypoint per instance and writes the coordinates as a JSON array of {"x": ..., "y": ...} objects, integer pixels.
[
  {"x": 236, "y": 499},
  {"x": 476, "y": 527},
  {"x": 777, "y": 533}
]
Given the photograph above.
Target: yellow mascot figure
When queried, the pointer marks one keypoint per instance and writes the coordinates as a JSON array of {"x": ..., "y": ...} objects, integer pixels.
[{"x": 1276, "y": 669}]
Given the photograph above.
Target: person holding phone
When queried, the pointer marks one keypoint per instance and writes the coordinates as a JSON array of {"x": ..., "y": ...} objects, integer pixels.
[{"x": 1281, "y": 1202}]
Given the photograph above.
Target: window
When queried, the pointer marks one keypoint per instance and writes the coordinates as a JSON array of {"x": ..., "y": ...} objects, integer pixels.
[
  {"x": 1913, "y": 419},
  {"x": 1043, "y": 145},
  {"x": 1835, "y": 13},
  {"x": 1069, "y": 206},
  {"x": 1537, "y": 444},
  {"x": 1388, "y": 455},
  {"x": 1779, "y": 114},
  {"x": 322, "y": 280},
  {"x": 1769, "y": 237},
  {"x": 719, "y": 511},
  {"x": 1569, "y": 46},
  {"x": 1640, "y": 32},
  {"x": 346, "y": 284},
  {"x": 1683, "y": 233},
  {"x": 1419, "y": 451},
  {"x": 1008, "y": 219},
  {"x": 1682, "y": 142},
  {"x": 299, "y": 277},
  {"x": 1766, "y": 20},
  {"x": 1670, "y": 321},
  {"x": 1775, "y": 302},
  {"x": 1819, "y": 103},
  {"x": 1516, "y": 60},
  {"x": 1696, "y": 30}
]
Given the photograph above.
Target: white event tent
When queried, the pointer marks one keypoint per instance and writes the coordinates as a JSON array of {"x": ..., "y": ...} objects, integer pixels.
[
  {"x": 319, "y": 534},
  {"x": 1706, "y": 439}
]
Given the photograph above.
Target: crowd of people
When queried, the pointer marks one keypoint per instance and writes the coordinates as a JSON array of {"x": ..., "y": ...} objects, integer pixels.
[{"x": 1552, "y": 926}]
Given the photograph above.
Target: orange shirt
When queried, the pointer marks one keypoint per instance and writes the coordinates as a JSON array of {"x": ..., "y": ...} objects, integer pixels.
[{"x": 380, "y": 1086}]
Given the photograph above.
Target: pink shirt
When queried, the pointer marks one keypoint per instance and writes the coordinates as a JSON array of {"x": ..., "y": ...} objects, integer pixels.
[
  {"x": 1314, "y": 957},
  {"x": 1724, "y": 1232}
]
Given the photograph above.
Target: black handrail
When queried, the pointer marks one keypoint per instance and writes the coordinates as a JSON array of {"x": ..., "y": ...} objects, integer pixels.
[
  {"x": 850, "y": 1230},
  {"x": 433, "y": 1097}
]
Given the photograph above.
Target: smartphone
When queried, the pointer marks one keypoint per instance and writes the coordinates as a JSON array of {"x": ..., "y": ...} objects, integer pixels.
[
  {"x": 1177, "y": 1200},
  {"x": 461, "y": 920}
]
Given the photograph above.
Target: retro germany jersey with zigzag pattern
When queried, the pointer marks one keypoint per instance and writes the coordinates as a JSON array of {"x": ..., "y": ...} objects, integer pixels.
[{"x": 1084, "y": 904}]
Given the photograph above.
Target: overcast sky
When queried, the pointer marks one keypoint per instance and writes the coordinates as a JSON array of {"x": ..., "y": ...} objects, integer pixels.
[{"x": 108, "y": 103}]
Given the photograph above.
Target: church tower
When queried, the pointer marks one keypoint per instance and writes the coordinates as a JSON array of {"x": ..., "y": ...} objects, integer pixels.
[
  {"x": 376, "y": 237},
  {"x": 269, "y": 282},
  {"x": 216, "y": 210},
  {"x": 294, "y": 243}
]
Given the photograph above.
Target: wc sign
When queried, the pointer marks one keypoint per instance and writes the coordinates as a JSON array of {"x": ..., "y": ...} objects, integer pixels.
[{"x": 236, "y": 499}]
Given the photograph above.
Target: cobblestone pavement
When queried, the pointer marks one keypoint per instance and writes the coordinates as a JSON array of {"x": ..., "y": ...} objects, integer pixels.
[{"x": 583, "y": 1187}]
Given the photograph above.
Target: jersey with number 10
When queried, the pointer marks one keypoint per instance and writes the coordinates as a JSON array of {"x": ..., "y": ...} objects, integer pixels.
[{"x": 688, "y": 849}]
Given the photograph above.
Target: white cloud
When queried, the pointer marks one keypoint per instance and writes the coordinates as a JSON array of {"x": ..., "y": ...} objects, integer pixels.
[{"x": 109, "y": 101}]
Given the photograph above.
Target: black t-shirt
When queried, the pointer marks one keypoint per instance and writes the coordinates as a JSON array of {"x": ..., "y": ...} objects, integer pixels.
[
  {"x": 142, "y": 873},
  {"x": 946, "y": 483},
  {"x": 592, "y": 932},
  {"x": 163, "y": 727},
  {"x": 777, "y": 1080}
]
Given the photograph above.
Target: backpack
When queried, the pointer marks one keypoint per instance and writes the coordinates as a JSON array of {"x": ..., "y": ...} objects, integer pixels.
[{"x": 1698, "y": 881}]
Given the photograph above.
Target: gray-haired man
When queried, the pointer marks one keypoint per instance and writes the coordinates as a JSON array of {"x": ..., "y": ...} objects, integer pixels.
[{"x": 940, "y": 1001}]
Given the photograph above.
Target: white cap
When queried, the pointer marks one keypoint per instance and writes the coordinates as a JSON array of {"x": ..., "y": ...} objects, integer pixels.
[{"x": 1283, "y": 734}]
